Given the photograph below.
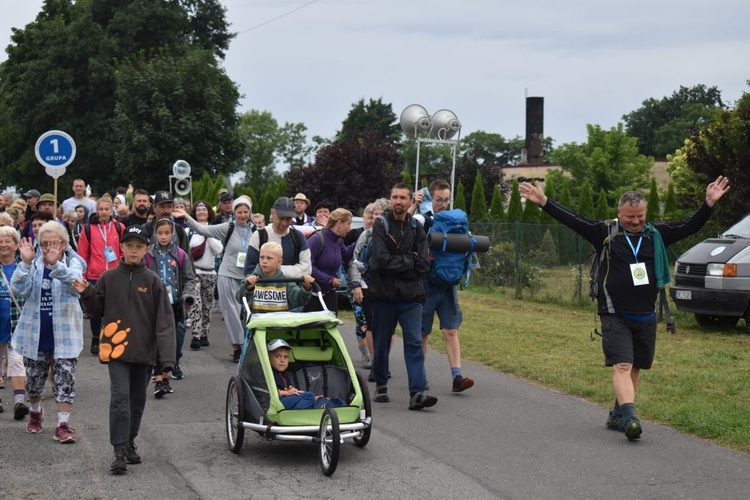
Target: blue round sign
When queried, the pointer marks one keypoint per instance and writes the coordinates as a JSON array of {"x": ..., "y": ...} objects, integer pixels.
[{"x": 55, "y": 149}]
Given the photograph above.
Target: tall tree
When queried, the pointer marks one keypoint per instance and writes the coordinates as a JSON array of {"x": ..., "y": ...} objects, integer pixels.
[
  {"x": 63, "y": 72},
  {"x": 671, "y": 210},
  {"x": 260, "y": 134},
  {"x": 459, "y": 200},
  {"x": 171, "y": 108},
  {"x": 515, "y": 208},
  {"x": 608, "y": 160},
  {"x": 351, "y": 172},
  {"x": 653, "y": 210},
  {"x": 293, "y": 147},
  {"x": 373, "y": 115},
  {"x": 722, "y": 147},
  {"x": 478, "y": 201},
  {"x": 586, "y": 200},
  {"x": 603, "y": 210},
  {"x": 497, "y": 213},
  {"x": 662, "y": 125}
]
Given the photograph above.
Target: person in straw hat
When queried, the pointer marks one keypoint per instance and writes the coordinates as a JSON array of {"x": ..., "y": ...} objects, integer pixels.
[{"x": 300, "y": 205}]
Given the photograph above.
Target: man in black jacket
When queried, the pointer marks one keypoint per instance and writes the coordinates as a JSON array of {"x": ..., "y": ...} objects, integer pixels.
[
  {"x": 400, "y": 259},
  {"x": 636, "y": 267}
]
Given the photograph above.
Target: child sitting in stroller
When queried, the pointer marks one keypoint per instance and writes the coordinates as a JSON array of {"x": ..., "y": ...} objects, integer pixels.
[
  {"x": 291, "y": 397},
  {"x": 273, "y": 297}
]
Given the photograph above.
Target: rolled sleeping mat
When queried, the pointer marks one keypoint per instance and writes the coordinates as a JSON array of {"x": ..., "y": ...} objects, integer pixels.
[{"x": 458, "y": 243}]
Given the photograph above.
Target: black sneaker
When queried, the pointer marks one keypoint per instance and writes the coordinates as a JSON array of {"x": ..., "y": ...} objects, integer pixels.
[
  {"x": 195, "y": 344},
  {"x": 236, "y": 355},
  {"x": 633, "y": 429},
  {"x": 166, "y": 386},
  {"x": 615, "y": 422},
  {"x": 177, "y": 372},
  {"x": 119, "y": 464},
  {"x": 461, "y": 383},
  {"x": 20, "y": 411},
  {"x": 95, "y": 347},
  {"x": 131, "y": 456},
  {"x": 204, "y": 342},
  {"x": 159, "y": 390},
  {"x": 419, "y": 401},
  {"x": 381, "y": 394}
]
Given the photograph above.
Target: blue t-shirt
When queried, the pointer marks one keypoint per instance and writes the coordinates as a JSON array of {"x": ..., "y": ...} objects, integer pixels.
[
  {"x": 46, "y": 329},
  {"x": 5, "y": 302}
]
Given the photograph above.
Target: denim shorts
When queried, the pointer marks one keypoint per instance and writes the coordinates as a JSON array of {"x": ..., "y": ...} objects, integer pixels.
[{"x": 444, "y": 301}]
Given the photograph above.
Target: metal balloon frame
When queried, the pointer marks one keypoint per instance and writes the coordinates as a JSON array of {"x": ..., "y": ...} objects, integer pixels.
[{"x": 440, "y": 128}]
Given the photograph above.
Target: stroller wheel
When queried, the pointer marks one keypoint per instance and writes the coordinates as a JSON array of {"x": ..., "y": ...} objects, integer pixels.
[
  {"x": 235, "y": 413},
  {"x": 330, "y": 441},
  {"x": 367, "y": 406}
]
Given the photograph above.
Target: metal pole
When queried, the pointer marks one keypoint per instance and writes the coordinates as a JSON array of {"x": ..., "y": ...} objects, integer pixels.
[
  {"x": 416, "y": 175},
  {"x": 453, "y": 172}
]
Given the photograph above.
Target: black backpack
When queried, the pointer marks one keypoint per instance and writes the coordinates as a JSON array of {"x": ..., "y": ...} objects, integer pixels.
[{"x": 597, "y": 260}]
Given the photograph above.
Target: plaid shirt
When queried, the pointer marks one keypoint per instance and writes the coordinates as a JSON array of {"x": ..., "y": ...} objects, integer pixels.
[{"x": 67, "y": 317}]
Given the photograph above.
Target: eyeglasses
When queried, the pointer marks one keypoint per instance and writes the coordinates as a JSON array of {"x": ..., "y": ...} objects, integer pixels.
[
  {"x": 47, "y": 244},
  {"x": 442, "y": 201}
]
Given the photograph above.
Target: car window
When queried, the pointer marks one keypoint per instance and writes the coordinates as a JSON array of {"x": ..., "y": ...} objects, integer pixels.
[{"x": 739, "y": 230}]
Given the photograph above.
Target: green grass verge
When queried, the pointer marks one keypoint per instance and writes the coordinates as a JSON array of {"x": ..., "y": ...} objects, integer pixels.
[{"x": 699, "y": 384}]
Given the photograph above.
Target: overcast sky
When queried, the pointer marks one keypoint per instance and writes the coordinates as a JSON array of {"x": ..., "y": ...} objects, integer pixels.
[{"x": 592, "y": 61}]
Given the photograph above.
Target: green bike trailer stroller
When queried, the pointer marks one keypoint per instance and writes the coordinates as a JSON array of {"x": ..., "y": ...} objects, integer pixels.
[{"x": 319, "y": 363}]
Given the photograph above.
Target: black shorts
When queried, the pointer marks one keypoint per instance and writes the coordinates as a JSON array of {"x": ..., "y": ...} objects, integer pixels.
[{"x": 628, "y": 341}]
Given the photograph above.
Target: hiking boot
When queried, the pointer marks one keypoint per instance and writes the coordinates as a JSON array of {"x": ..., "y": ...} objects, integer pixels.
[
  {"x": 633, "y": 429},
  {"x": 195, "y": 344},
  {"x": 159, "y": 390},
  {"x": 131, "y": 456},
  {"x": 95, "y": 347},
  {"x": 119, "y": 464},
  {"x": 166, "y": 386},
  {"x": 177, "y": 372},
  {"x": 35, "y": 422},
  {"x": 20, "y": 411},
  {"x": 615, "y": 422},
  {"x": 366, "y": 362},
  {"x": 419, "y": 401},
  {"x": 381, "y": 394},
  {"x": 461, "y": 383},
  {"x": 64, "y": 434},
  {"x": 204, "y": 341}
]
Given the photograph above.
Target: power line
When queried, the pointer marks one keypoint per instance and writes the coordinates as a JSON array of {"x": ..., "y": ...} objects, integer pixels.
[{"x": 277, "y": 17}]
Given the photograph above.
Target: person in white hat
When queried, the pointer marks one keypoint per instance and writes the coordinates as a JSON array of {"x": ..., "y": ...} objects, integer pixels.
[{"x": 300, "y": 205}]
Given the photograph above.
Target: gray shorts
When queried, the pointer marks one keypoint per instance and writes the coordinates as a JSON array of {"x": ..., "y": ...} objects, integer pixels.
[{"x": 628, "y": 341}]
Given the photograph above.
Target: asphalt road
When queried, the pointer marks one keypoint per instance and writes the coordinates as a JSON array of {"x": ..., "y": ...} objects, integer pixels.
[{"x": 504, "y": 438}]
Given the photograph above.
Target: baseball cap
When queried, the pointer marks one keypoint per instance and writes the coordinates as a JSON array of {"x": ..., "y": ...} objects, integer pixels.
[
  {"x": 46, "y": 198},
  {"x": 163, "y": 197},
  {"x": 225, "y": 197},
  {"x": 135, "y": 231},
  {"x": 276, "y": 343},
  {"x": 284, "y": 207},
  {"x": 31, "y": 193}
]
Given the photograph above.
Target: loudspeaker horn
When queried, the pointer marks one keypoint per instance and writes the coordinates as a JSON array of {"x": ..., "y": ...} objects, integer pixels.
[
  {"x": 414, "y": 119},
  {"x": 181, "y": 169},
  {"x": 183, "y": 186},
  {"x": 445, "y": 124}
]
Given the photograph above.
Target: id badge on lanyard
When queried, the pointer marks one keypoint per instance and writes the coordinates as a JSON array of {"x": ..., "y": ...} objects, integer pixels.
[{"x": 638, "y": 270}]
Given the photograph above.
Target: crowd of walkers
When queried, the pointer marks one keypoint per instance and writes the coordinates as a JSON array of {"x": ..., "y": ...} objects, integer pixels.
[{"x": 84, "y": 258}]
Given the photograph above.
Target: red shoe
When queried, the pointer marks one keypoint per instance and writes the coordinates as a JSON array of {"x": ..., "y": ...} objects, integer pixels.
[
  {"x": 35, "y": 422},
  {"x": 64, "y": 434}
]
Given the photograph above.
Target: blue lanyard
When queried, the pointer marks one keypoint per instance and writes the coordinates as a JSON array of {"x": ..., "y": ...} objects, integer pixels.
[
  {"x": 637, "y": 248},
  {"x": 244, "y": 238}
]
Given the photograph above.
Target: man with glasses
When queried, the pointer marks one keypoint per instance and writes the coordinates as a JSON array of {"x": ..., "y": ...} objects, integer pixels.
[
  {"x": 295, "y": 252},
  {"x": 442, "y": 300}
]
